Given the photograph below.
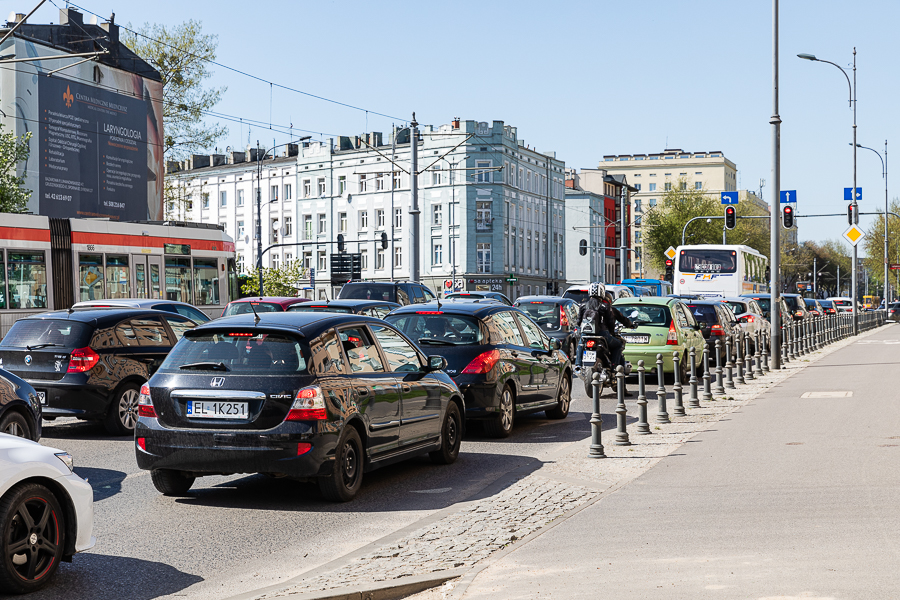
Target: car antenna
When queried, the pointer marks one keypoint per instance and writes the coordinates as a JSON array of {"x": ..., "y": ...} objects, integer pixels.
[
  {"x": 438, "y": 303},
  {"x": 255, "y": 314}
]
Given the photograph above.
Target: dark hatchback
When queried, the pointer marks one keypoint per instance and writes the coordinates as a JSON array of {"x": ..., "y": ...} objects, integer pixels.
[
  {"x": 314, "y": 396},
  {"x": 717, "y": 322},
  {"x": 500, "y": 359},
  {"x": 371, "y": 308},
  {"x": 401, "y": 292},
  {"x": 20, "y": 409},
  {"x": 261, "y": 304},
  {"x": 90, "y": 364},
  {"x": 557, "y": 317},
  {"x": 501, "y": 298}
]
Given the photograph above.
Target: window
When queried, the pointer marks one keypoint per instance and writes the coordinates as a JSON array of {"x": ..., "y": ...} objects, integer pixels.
[
  {"x": 652, "y": 202},
  {"x": 307, "y": 188},
  {"x": 206, "y": 281},
  {"x": 90, "y": 276},
  {"x": 437, "y": 253},
  {"x": 307, "y": 227},
  {"x": 652, "y": 187},
  {"x": 379, "y": 259},
  {"x": 503, "y": 326},
  {"x": 342, "y": 222},
  {"x": 396, "y": 180},
  {"x": 288, "y": 258},
  {"x": 483, "y": 258},
  {"x": 483, "y": 176},
  {"x": 363, "y": 183},
  {"x": 401, "y": 357},
  {"x": 307, "y": 260},
  {"x": 323, "y": 225},
  {"x": 483, "y": 214},
  {"x": 288, "y": 226},
  {"x": 320, "y": 186},
  {"x": 380, "y": 179},
  {"x": 240, "y": 198},
  {"x": 435, "y": 177},
  {"x": 287, "y": 191},
  {"x": 178, "y": 279},
  {"x": 274, "y": 193},
  {"x": 204, "y": 202},
  {"x": 398, "y": 218},
  {"x": 682, "y": 185},
  {"x": 637, "y": 237},
  {"x": 274, "y": 228},
  {"x": 379, "y": 218},
  {"x": 240, "y": 229},
  {"x": 668, "y": 186},
  {"x": 637, "y": 205},
  {"x": 326, "y": 355},
  {"x": 363, "y": 219},
  {"x": 117, "y": 276},
  {"x": 320, "y": 261},
  {"x": 149, "y": 331},
  {"x": 342, "y": 184},
  {"x": 398, "y": 257},
  {"x": 698, "y": 185},
  {"x": 276, "y": 260},
  {"x": 638, "y": 186},
  {"x": 362, "y": 354},
  {"x": 533, "y": 335},
  {"x": 437, "y": 214},
  {"x": 363, "y": 259},
  {"x": 527, "y": 181}
]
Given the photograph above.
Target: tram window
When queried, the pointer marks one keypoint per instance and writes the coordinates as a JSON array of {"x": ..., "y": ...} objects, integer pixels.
[
  {"x": 2, "y": 282},
  {"x": 206, "y": 281},
  {"x": 140, "y": 280},
  {"x": 178, "y": 279},
  {"x": 154, "y": 281},
  {"x": 90, "y": 276},
  {"x": 27, "y": 280},
  {"x": 117, "y": 276}
]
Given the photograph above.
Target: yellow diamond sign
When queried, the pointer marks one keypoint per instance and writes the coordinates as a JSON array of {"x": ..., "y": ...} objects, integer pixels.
[
  {"x": 670, "y": 253},
  {"x": 854, "y": 234}
]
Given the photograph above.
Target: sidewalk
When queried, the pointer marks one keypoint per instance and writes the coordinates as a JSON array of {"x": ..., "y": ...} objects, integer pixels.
[{"x": 786, "y": 497}]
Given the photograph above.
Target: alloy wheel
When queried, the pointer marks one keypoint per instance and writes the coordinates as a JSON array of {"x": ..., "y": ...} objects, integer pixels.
[
  {"x": 506, "y": 410},
  {"x": 128, "y": 403},
  {"x": 32, "y": 538}
]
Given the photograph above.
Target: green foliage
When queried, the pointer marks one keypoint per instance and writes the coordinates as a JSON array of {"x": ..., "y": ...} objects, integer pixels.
[
  {"x": 873, "y": 246},
  {"x": 282, "y": 281},
  {"x": 181, "y": 54},
  {"x": 797, "y": 265},
  {"x": 13, "y": 150}
]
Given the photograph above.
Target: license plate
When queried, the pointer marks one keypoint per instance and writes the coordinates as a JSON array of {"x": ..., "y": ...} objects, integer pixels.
[
  {"x": 41, "y": 396},
  {"x": 590, "y": 355},
  {"x": 636, "y": 339},
  {"x": 216, "y": 410}
]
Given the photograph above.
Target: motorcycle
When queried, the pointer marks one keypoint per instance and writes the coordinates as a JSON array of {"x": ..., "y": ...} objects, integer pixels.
[{"x": 595, "y": 359}]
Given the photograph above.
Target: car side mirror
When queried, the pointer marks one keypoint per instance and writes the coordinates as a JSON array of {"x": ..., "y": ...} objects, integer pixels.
[
  {"x": 436, "y": 363},
  {"x": 555, "y": 344}
]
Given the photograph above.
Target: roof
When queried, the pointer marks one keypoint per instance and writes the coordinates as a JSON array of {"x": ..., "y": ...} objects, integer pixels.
[
  {"x": 96, "y": 315},
  {"x": 352, "y": 303},
  {"x": 304, "y": 323},
  {"x": 545, "y": 298},
  {"x": 659, "y": 300},
  {"x": 467, "y": 308},
  {"x": 283, "y": 300}
]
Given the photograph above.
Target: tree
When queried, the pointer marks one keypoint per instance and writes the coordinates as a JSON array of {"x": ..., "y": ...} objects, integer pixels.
[
  {"x": 13, "y": 150},
  {"x": 181, "y": 54},
  {"x": 873, "y": 245},
  {"x": 277, "y": 281}
]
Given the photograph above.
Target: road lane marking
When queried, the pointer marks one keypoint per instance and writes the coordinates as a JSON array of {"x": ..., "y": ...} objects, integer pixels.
[{"x": 827, "y": 395}]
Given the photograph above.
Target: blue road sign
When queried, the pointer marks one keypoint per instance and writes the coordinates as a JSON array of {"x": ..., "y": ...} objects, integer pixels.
[
  {"x": 312, "y": 277},
  {"x": 729, "y": 197},
  {"x": 788, "y": 196},
  {"x": 848, "y": 193}
]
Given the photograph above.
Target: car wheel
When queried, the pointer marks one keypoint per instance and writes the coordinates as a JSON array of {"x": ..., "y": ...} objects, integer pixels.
[
  {"x": 563, "y": 399},
  {"x": 346, "y": 477},
  {"x": 170, "y": 482},
  {"x": 123, "y": 411},
  {"x": 15, "y": 424},
  {"x": 451, "y": 437},
  {"x": 33, "y": 528},
  {"x": 502, "y": 426},
  {"x": 572, "y": 350}
]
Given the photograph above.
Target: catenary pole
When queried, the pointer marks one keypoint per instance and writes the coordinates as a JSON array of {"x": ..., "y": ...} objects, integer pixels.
[
  {"x": 775, "y": 229},
  {"x": 414, "y": 203}
]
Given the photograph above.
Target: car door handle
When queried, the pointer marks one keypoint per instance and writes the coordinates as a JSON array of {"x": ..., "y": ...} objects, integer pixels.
[{"x": 405, "y": 388}]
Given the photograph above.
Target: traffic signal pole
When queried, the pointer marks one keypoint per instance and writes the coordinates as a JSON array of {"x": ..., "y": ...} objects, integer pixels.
[{"x": 774, "y": 230}]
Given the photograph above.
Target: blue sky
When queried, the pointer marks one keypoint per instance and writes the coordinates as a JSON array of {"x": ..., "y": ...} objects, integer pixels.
[{"x": 581, "y": 78}]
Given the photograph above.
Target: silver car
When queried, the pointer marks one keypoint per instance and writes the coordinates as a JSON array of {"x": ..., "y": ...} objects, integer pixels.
[{"x": 749, "y": 314}]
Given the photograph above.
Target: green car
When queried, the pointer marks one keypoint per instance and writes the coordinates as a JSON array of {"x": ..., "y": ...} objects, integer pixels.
[{"x": 664, "y": 325}]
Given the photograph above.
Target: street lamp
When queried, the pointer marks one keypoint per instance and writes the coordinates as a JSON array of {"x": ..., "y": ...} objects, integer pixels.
[
  {"x": 883, "y": 174},
  {"x": 852, "y": 86}
]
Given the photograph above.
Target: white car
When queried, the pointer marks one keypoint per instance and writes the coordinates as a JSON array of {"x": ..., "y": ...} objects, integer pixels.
[
  {"x": 842, "y": 304},
  {"x": 46, "y": 513}
]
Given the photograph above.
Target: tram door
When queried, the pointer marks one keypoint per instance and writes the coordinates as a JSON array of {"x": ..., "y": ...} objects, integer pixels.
[{"x": 146, "y": 276}]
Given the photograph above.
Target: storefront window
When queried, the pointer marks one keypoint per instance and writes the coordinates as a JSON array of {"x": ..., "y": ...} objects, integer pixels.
[
  {"x": 90, "y": 276},
  {"x": 206, "y": 281},
  {"x": 178, "y": 279},
  {"x": 117, "y": 276},
  {"x": 27, "y": 280}
]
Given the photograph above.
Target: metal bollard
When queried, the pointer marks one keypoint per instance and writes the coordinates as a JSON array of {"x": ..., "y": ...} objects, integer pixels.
[
  {"x": 661, "y": 415},
  {"x": 748, "y": 363},
  {"x": 785, "y": 343},
  {"x": 720, "y": 388},
  {"x": 729, "y": 365},
  {"x": 643, "y": 427},
  {"x": 707, "y": 394},
  {"x": 766, "y": 349},
  {"x": 621, "y": 411},
  {"x": 739, "y": 347},
  {"x": 596, "y": 450},
  {"x": 820, "y": 338},
  {"x": 693, "y": 401},
  {"x": 678, "y": 411},
  {"x": 757, "y": 354}
]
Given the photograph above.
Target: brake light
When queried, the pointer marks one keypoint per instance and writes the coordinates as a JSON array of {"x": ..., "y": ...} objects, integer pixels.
[
  {"x": 716, "y": 329},
  {"x": 563, "y": 319},
  {"x": 747, "y": 319},
  {"x": 429, "y": 312},
  {"x": 142, "y": 444},
  {"x": 536, "y": 302},
  {"x": 483, "y": 363},
  {"x": 82, "y": 359},
  {"x": 798, "y": 314},
  {"x": 590, "y": 343},
  {"x": 672, "y": 338},
  {"x": 241, "y": 334},
  {"x": 309, "y": 405},
  {"x": 303, "y": 448},
  {"x": 145, "y": 404},
  {"x": 352, "y": 339}
]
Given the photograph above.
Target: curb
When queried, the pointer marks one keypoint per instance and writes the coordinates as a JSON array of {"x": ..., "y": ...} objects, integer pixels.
[{"x": 394, "y": 591}]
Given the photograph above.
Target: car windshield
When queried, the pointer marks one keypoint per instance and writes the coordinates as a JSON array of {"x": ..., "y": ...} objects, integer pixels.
[
  {"x": 646, "y": 314},
  {"x": 699, "y": 260},
  {"x": 545, "y": 314},
  {"x": 371, "y": 291},
  {"x": 738, "y": 308},
  {"x": 438, "y": 329},
  {"x": 306, "y": 307},
  {"x": 241, "y": 308},
  {"x": 47, "y": 332},
  {"x": 579, "y": 296},
  {"x": 240, "y": 352},
  {"x": 704, "y": 313},
  {"x": 792, "y": 302}
]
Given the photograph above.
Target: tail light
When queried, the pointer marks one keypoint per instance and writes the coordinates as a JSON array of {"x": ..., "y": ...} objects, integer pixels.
[
  {"x": 309, "y": 405},
  {"x": 716, "y": 329},
  {"x": 747, "y": 319},
  {"x": 672, "y": 338},
  {"x": 303, "y": 448},
  {"x": 590, "y": 343},
  {"x": 483, "y": 363},
  {"x": 142, "y": 444},
  {"x": 145, "y": 404},
  {"x": 798, "y": 314},
  {"x": 563, "y": 319},
  {"x": 82, "y": 360}
]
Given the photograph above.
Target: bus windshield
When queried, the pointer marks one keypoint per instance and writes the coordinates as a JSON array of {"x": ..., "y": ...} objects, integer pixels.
[{"x": 700, "y": 260}]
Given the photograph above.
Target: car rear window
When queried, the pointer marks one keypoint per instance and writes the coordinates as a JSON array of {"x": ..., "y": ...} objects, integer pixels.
[
  {"x": 704, "y": 313},
  {"x": 842, "y": 303},
  {"x": 241, "y": 308},
  {"x": 370, "y": 291},
  {"x": 545, "y": 314},
  {"x": 438, "y": 329},
  {"x": 305, "y": 307},
  {"x": 738, "y": 308},
  {"x": 764, "y": 303},
  {"x": 58, "y": 332},
  {"x": 792, "y": 302},
  {"x": 646, "y": 314},
  {"x": 240, "y": 352},
  {"x": 579, "y": 296}
]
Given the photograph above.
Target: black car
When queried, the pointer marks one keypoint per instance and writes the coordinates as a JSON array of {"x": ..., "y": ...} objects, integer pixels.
[
  {"x": 765, "y": 302},
  {"x": 501, "y": 298},
  {"x": 500, "y": 359},
  {"x": 401, "y": 292},
  {"x": 372, "y": 308},
  {"x": 90, "y": 364},
  {"x": 20, "y": 409},
  {"x": 182, "y": 308},
  {"x": 557, "y": 317},
  {"x": 313, "y": 396},
  {"x": 717, "y": 322},
  {"x": 796, "y": 305}
]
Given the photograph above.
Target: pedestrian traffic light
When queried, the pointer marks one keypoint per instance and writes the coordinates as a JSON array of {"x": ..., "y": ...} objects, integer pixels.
[
  {"x": 383, "y": 240},
  {"x": 787, "y": 217},
  {"x": 730, "y": 217},
  {"x": 582, "y": 247},
  {"x": 670, "y": 268},
  {"x": 341, "y": 245}
]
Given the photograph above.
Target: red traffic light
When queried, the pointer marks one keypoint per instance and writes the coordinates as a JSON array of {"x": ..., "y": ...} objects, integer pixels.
[
  {"x": 669, "y": 262},
  {"x": 788, "y": 210}
]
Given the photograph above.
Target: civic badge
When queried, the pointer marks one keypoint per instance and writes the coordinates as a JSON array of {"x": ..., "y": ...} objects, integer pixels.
[
  {"x": 217, "y": 382},
  {"x": 27, "y": 359}
]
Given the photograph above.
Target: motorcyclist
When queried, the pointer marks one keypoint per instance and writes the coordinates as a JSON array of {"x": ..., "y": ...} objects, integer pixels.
[{"x": 599, "y": 315}]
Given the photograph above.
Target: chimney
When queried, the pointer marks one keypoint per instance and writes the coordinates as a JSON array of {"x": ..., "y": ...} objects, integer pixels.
[
  {"x": 455, "y": 122},
  {"x": 18, "y": 18},
  {"x": 172, "y": 166},
  {"x": 238, "y": 157},
  {"x": 199, "y": 160},
  {"x": 345, "y": 143},
  {"x": 293, "y": 149},
  {"x": 70, "y": 16},
  {"x": 217, "y": 159},
  {"x": 111, "y": 28}
]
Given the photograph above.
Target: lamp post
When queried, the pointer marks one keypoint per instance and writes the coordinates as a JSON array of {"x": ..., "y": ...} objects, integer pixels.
[
  {"x": 852, "y": 86},
  {"x": 884, "y": 175}
]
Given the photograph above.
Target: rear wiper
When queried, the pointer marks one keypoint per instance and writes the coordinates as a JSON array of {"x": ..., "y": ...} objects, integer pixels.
[
  {"x": 436, "y": 342},
  {"x": 212, "y": 366},
  {"x": 36, "y": 346}
]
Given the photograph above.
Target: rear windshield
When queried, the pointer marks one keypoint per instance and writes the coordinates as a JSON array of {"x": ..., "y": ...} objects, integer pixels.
[
  {"x": 704, "y": 313},
  {"x": 646, "y": 314},
  {"x": 438, "y": 329},
  {"x": 699, "y": 260},
  {"x": 305, "y": 307},
  {"x": 738, "y": 308},
  {"x": 51, "y": 332},
  {"x": 826, "y": 303},
  {"x": 370, "y": 291},
  {"x": 545, "y": 314},
  {"x": 238, "y": 352},
  {"x": 764, "y": 303},
  {"x": 240, "y": 308},
  {"x": 842, "y": 303},
  {"x": 579, "y": 296},
  {"x": 792, "y": 302}
]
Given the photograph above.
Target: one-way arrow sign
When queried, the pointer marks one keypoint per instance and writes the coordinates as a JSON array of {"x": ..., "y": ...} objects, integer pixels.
[
  {"x": 848, "y": 194},
  {"x": 788, "y": 196}
]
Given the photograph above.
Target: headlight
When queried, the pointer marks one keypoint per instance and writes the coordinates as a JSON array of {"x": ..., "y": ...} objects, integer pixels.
[{"x": 67, "y": 459}]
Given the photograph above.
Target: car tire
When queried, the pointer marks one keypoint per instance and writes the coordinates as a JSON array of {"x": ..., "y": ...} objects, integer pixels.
[
  {"x": 41, "y": 546},
  {"x": 572, "y": 350},
  {"x": 563, "y": 400},
  {"x": 346, "y": 477},
  {"x": 169, "y": 482},
  {"x": 15, "y": 424},
  {"x": 122, "y": 413},
  {"x": 502, "y": 426},
  {"x": 451, "y": 437}
]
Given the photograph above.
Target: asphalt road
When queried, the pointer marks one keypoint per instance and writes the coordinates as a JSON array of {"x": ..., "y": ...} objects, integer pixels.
[{"x": 235, "y": 534}]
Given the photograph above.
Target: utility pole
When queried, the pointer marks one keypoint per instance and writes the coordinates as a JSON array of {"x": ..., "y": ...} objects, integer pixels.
[
  {"x": 393, "y": 166},
  {"x": 815, "y": 275},
  {"x": 775, "y": 229},
  {"x": 855, "y": 272},
  {"x": 259, "y": 218},
  {"x": 414, "y": 202},
  {"x": 623, "y": 249}
]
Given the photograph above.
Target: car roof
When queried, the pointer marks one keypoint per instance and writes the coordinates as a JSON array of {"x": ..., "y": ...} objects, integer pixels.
[
  {"x": 654, "y": 300},
  {"x": 282, "y": 300},
  {"x": 352, "y": 303},
  {"x": 98, "y": 316},
  {"x": 546, "y": 299},
  {"x": 308, "y": 324},
  {"x": 736, "y": 299},
  {"x": 125, "y": 302},
  {"x": 477, "y": 309},
  {"x": 704, "y": 302}
]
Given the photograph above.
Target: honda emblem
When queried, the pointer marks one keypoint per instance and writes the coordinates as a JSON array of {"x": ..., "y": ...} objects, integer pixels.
[{"x": 217, "y": 382}]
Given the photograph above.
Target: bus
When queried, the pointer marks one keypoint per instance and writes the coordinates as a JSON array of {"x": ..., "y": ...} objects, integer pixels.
[
  {"x": 49, "y": 264},
  {"x": 659, "y": 287},
  {"x": 720, "y": 270}
]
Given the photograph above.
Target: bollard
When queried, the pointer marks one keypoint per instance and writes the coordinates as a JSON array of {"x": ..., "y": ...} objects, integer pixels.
[
  {"x": 596, "y": 450},
  {"x": 643, "y": 427},
  {"x": 693, "y": 401},
  {"x": 729, "y": 366},
  {"x": 720, "y": 388},
  {"x": 678, "y": 411},
  {"x": 766, "y": 348},
  {"x": 785, "y": 343},
  {"x": 621, "y": 411},
  {"x": 739, "y": 348},
  {"x": 748, "y": 363},
  {"x": 757, "y": 354},
  {"x": 707, "y": 395},
  {"x": 661, "y": 415},
  {"x": 820, "y": 338}
]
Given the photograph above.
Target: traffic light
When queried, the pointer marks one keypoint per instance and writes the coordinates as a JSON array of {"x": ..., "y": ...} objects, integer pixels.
[
  {"x": 670, "y": 268},
  {"x": 852, "y": 215},
  {"x": 787, "y": 217},
  {"x": 582, "y": 247},
  {"x": 341, "y": 245},
  {"x": 383, "y": 240},
  {"x": 730, "y": 217}
]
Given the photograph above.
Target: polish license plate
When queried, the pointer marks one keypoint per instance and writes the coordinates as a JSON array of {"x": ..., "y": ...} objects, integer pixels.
[
  {"x": 216, "y": 410},
  {"x": 41, "y": 396},
  {"x": 590, "y": 356},
  {"x": 636, "y": 339}
]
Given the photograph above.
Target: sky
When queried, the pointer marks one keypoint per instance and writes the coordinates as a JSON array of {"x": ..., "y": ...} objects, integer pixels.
[{"x": 583, "y": 79}]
